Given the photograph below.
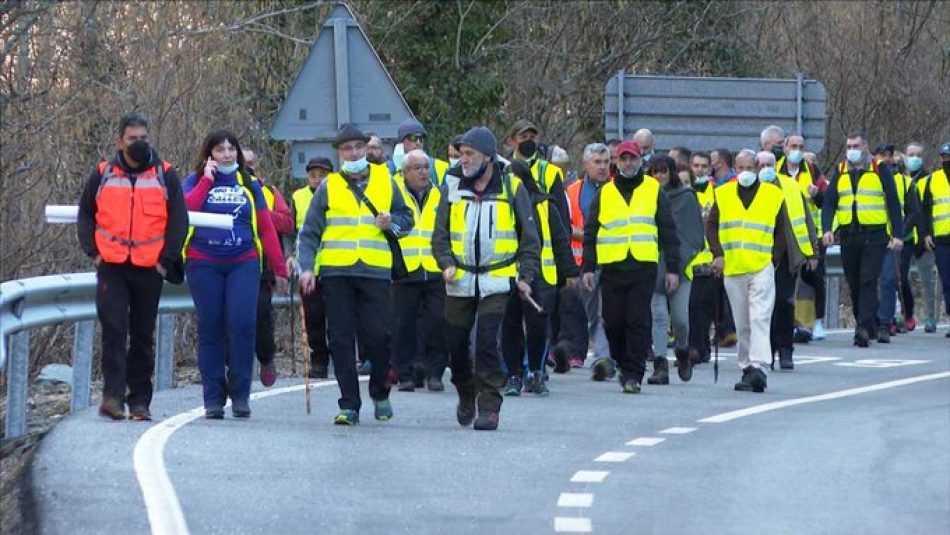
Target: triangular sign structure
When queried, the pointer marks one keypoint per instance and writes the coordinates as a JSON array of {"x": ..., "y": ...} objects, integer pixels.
[{"x": 342, "y": 81}]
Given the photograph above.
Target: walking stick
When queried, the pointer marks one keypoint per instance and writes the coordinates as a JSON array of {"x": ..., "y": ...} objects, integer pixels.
[
  {"x": 719, "y": 299},
  {"x": 293, "y": 330}
]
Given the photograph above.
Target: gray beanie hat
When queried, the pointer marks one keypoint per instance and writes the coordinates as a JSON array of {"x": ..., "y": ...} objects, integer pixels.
[
  {"x": 409, "y": 127},
  {"x": 481, "y": 139}
]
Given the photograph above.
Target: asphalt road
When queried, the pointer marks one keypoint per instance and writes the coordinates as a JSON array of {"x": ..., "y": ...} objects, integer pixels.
[{"x": 859, "y": 461}]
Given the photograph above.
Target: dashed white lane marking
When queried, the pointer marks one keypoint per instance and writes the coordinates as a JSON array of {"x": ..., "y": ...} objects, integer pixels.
[
  {"x": 758, "y": 409},
  {"x": 165, "y": 516},
  {"x": 678, "y": 430},
  {"x": 589, "y": 476},
  {"x": 575, "y": 499},
  {"x": 572, "y": 524},
  {"x": 614, "y": 457},
  {"x": 645, "y": 441}
]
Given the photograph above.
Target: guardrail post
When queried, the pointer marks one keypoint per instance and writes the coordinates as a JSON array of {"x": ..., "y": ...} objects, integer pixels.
[
  {"x": 18, "y": 381},
  {"x": 165, "y": 352},
  {"x": 832, "y": 291},
  {"x": 82, "y": 366}
]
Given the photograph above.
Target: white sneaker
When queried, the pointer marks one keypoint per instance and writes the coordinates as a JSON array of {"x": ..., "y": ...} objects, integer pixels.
[{"x": 818, "y": 333}]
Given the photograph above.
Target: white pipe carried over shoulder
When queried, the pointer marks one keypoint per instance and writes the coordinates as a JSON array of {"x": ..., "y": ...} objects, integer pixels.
[{"x": 68, "y": 214}]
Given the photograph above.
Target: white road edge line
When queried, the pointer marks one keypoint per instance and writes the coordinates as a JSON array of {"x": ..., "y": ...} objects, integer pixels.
[
  {"x": 165, "y": 516},
  {"x": 758, "y": 409}
]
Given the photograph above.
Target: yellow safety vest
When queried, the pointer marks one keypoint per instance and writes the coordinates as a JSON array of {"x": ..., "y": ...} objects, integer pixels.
[
  {"x": 628, "y": 228},
  {"x": 796, "y": 213},
  {"x": 437, "y": 169},
  {"x": 903, "y": 183},
  {"x": 940, "y": 189},
  {"x": 804, "y": 180},
  {"x": 268, "y": 196},
  {"x": 417, "y": 245},
  {"x": 747, "y": 235},
  {"x": 706, "y": 197},
  {"x": 499, "y": 210},
  {"x": 257, "y": 238},
  {"x": 301, "y": 199},
  {"x": 351, "y": 234},
  {"x": 868, "y": 200}
]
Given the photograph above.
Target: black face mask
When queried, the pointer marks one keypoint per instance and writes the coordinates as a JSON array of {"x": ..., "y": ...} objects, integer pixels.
[
  {"x": 778, "y": 151},
  {"x": 946, "y": 167},
  {"x": 140, "y": 151},
  {"x": 527, "y": 148}
]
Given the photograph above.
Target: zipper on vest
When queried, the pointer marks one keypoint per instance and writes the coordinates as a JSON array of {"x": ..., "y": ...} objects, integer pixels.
[{"x": 131, "y": 216}]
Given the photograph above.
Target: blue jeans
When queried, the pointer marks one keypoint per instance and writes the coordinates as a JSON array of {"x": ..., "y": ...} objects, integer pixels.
[
  {"x": 225, "y": 295},
  {"x": 888, "y": 290}
]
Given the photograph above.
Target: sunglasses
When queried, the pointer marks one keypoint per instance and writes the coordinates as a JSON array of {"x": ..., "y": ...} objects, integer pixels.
[{"x": 415, "y": 138}]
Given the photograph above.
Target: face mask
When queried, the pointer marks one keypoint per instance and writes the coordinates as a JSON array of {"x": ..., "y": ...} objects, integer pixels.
[
  {"x": 778, "y": 151},
  {"x": 767, "y": 174},
  {"x": 527, "y": 148},
  {"x": 632, "y": 174},
  {"x": 702, "y": 179},
  {"x": 354, "y": 167},
  {"x": 647, "y": 156},
  {"x": 746, "y": 179},
  {"x": 399, "y": 153},
  {"x": 795, "y": 156},
  {"x": 854, "y": 155},
  {"x": 453, "y": 162},
  {"x": 914, "y": 163},
  {"x": 477, "y": 172},
  {"x": 140, "y": 151},
  {"x": 227, "y": 169}
]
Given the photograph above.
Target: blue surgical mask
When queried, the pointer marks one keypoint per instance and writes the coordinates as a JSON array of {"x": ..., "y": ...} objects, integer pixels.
[
  {"x": 399, "y": 154},
  {"x": 914, "y": 163},
  {"x": 453, "y": 162},
  {"x": 227, "y": 169},
  {"x": 746, "y": 178},
  {"x": 767, "y": 174},
  {"x": 702, "y": 179},
  {"x": 354, "y": 167},
  {"x": 854, "y": 155},
  {"x": 795, "y": 156}
]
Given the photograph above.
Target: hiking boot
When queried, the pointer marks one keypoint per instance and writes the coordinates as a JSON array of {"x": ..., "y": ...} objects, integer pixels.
[
  {"x": 268, "y": 374},
  {"x": 602, "y": 370},
  {"x": 140, "y": 413},
  {"x": 729, "y": 340},
  {"x": 318, "y": 371},
  {"x": 694, "y": 356},
  {"x": 365, "y": 368},
  {"x": 487, "y": 420},
  {"x": 514, "y": 386},
  {"x": 785, "y": 361},
  {"x": 465, "y": 410},
  {"x": 538, "y": 384},
  {"x": 684, "y": 366},
  {"x": 214, "y": 412},
  {"x": 745, "y": 383},
  {"x": 883, "y": 335},
  {"x": 661, "y": 372},
  {"x": 347, "y": 417},
  {"x": 818, "y": 333},
  {"x": 434, "y": 384},
  {"x": 383, "y": 410},
  {"x": 629, "y": 386},
  {"x": 759, "y": 380},
  {"x": 930, "y": 325},
  {"x": 240, "y": 408},
  {"x": 862, "y": 338},
  {"x": 419, "y": 376},
  {"x": 562, "y": 357},
  {"x": 406, "y": 385},
  {"x": 111, "y": 408}
]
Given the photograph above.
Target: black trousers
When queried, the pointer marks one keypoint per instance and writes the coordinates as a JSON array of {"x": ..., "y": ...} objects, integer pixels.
[
  {"x": 907, "y": 294},
  {"x": 127, "y": 305},
  {"x": 573, "y": 322},
  {"x": 523, "y": 323},
  {"x": 315, "y": 323},
  {"x": 418, "y": 314},
  {"x": 357, "y": 307},
  {"x": 703, "y": 300},
  {"x": 782, "y": 329},
  {"x": 862, "y": 253},
  {"x": 484, "y": 376},
  {"x": 628, "y": 319},
  {"x": 264, "y": 342}
]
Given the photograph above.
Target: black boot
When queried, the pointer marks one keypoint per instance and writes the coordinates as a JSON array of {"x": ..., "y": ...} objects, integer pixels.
[
  {"x": 562, "y": 357},
  {"x": 465, "y": 411},
  {"x": 661, "y": 372},
  {"x": 759, "y": 380},
  {"x": 684, "y": 366},
  {"x": 487, "y": 420},
  {"x": 745, "y": 384},
  {"x": 883, "y": 335},
  {"x": 785, "y": 359},
  {"x": 862, "y": 338}
]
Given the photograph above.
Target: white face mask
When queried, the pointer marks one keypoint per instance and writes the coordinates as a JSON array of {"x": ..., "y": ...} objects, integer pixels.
[
  {"x": 454, "y": 161},
  {"x": 746, "y": 178},
  {"x": 398, "y": 154},
  {"x": 702, "y": 179},
  {"x": 854, "y": 155},
  {"x": 767, "y": 174}
]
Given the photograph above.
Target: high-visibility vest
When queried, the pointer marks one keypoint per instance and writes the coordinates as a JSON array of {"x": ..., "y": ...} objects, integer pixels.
[
  {"x": 577, "y": 219},
  {"x": 868, "y": 200},
  {"x": 545, "y": 175},
  {"x": 628, "y": 228},
  {"x": 268, "y": 195},
  {"x": 706, "y": 197},
  {"x": 301, "y": 199},
  {"x": 131, "y": 219},
  {"x": 795, "y": 206},
  {"x": 437, "y": 169},
  {"x": 903, "y": 183},
  {"x": 747, "y": 235},
  {"x": 351, "y": 234},
  {"x": 804, "y": 179},
  {"x": 417, "y": 245},
  {"x": 250, "y": 199},
  {"x": 940, "y": 189}
]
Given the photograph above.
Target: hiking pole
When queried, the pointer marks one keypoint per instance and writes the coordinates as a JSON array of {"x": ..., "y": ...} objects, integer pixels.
[
  {"x": 534, "y": 303},
  {"x": 719, "y": 299},
  {"x": 293, "y": 330}
]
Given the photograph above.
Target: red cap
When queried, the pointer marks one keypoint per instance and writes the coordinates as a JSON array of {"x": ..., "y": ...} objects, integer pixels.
[{"x": 629, "y": 147}]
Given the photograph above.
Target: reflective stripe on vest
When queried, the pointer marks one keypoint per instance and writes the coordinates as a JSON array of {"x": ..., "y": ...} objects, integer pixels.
[
  {"x": 747, "y": 235},
  {"x": 131, "y": 220},
  {"x": 628, "y": 228},
  {"x": 868, "y": 201},
  {"x": 545, "y": 174},
  {"x": 548, "y": 264},
  {"x": 301, "y": 199},
  {"x": 495, "y": 211},
  {"x": 417, "y": 246},
  {"x": 940, "y": 189},
  {"x": 795, "y": 205},
  {"x": 351, "y": 234},
  {"x": 258, "y": 246}
]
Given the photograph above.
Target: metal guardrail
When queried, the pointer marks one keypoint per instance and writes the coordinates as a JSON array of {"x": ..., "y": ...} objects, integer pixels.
[{"x": 26, "y": 304}]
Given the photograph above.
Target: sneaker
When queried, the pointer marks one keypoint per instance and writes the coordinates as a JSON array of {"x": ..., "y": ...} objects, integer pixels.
[
  {"x": 111, "y": 408},
  {"x": 729, "y": 340},
  {"x": 465, "y": 410},
  {"x": 562, "y": 358},
  {"x": 745, "y": 383},
  {"x": 883, "y": 334},
  {"x": 406, "y": 385},
  {"x": 365, "y": 368},
  {"x": 684, "y": 366},
  {"x": 538, "y": 384},
  {"x": 240, "y": 409},
  {"x": 930, "y": 325},
  {"x": 214, "y": 412},
  {"x": 514, "y": 386},
  {"x": 140, "y": 413},
  {"x": 434, "y": 384},
  {"x": 577, "y": 362},
  {"x": 818, "y": 333},
  {"x": 268, "y": 374},
  {"x": 910, "y": 324},
  {"x": 487, "y": 420},
  {"x": 759, "y": 381},
  {"x": 318, "y": 371},
  {"x": 382, "y": 410},
  {"x": 347, "y": 417},
  {"x": 661, "y": 372},
  {"x": 802, "y": 335},
  {"x": 629, "y": 386},
  {"x": 601, "y": 370}
]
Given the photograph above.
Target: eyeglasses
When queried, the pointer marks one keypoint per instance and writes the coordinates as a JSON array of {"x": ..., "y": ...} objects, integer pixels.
[
  {"x": 415, "y": 138},
  {"x": 418, "y": 167}
]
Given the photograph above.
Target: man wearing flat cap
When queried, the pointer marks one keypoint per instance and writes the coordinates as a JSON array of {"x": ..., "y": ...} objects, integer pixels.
[{"x": 345, "y": 238}]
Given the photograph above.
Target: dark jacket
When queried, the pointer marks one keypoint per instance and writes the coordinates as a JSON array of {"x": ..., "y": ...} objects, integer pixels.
[{"x": 684, "y": 206}]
